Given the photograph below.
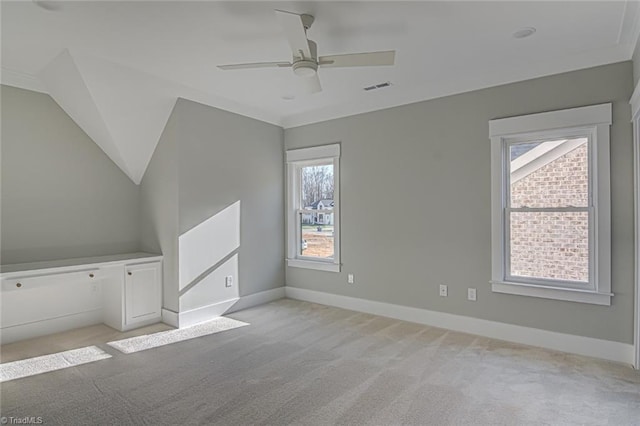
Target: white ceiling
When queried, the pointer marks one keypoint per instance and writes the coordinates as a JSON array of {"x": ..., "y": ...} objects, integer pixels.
[{"x": 117, "y": 67}]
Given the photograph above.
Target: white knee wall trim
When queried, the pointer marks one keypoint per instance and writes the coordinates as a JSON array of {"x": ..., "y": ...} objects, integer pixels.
[
  {"x": 597, "y": 348},
  {"x": 214, "y": 310}
]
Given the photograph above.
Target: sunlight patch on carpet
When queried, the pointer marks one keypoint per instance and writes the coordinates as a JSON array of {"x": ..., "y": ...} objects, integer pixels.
[
  {"x": 149, "y": 341},
  {"x": 44, "y": 364}
]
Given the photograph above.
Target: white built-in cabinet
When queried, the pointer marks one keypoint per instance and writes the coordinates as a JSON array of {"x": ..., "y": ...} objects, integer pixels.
[
  {"x": 142, "y": 293},
  {"x": 122, "y": 291}
]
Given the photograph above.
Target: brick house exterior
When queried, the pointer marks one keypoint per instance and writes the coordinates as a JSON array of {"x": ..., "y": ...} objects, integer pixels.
[{"x": 552, "y": 245}]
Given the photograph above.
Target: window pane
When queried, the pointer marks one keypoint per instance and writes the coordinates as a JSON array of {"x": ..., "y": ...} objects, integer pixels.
[
  {"x": 549, "y": 173},
  {"x": 317, "y": 235},
  {"x": 317, "y": 187},
  {"x": 550, "y": 245}
]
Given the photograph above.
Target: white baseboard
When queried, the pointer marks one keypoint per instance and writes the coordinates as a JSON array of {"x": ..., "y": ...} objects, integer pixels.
[
  {"x": 597, "y": 348},
  {"x": 209, "y": 312},
  {"x": 139, "y": 324},
  {"x": 50, "y": 326},
  {"x": 170, "y": 317},
  {"x": 204, "y": 313},
  {"x": 259, "y": 298}
]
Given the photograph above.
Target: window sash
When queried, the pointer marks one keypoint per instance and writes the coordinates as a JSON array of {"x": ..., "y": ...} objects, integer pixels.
[
  {"x": 299, "y": 210},
  {"x": 307, "y": 211},
  {"x": 567, "y": 134},
  {"x": 588, "y": 285},
  {"x": 299, "y": 255},
  {"x": 295, "y": 209},
  {"x": 569, "y": 209},
  {"x": 507, "y": 210}
]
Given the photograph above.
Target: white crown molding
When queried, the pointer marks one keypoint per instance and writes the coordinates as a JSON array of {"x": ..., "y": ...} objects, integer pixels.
[
  {"x": 21, "y": 80},
  {"x": 587, "y": 346},
  {"x": 397, "y": 95},
  {"x": 630, "y": 25}
]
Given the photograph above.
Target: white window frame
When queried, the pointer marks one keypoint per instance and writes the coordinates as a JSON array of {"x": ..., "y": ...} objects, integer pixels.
[
  {"x": 296, "y": 159},
  {"x": 635, "y": 114},
  {"x": 594, "y": 122}
]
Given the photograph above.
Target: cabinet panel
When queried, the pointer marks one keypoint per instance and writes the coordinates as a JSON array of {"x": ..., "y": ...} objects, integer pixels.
[
  {"x": 31, "y": 299},
  {"x": 142, "y": 292}
]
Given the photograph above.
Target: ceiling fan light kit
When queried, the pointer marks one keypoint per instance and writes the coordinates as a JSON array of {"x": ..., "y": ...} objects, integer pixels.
[
  {"x": 305, "y": 68},
  {"x": 305, "y": 60}
]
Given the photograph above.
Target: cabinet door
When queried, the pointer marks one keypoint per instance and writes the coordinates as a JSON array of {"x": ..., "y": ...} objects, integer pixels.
[{"x": 143, "y": 292}]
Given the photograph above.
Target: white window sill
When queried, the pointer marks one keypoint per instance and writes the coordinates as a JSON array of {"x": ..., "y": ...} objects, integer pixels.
[
  {"x": 310, "y": 264},
  {"x": 571, "y": 295}
]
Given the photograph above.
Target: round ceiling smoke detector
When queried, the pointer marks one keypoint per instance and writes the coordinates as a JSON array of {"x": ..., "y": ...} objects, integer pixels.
[{"x": 525, "y": 32}]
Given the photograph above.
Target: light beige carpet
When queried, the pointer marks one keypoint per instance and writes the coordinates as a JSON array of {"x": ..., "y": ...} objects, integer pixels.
[
  {"x": 150, "y": 341},
  {"x": 46, "y": 363},
  {"x": 306, "y": 364}
]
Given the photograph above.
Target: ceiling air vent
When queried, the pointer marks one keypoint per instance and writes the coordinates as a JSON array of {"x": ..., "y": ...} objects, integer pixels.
[{"x": 378, "y": 86}]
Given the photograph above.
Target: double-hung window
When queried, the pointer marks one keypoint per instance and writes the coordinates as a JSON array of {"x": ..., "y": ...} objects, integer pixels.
[
  {"x": 551, "y": 205},
  {"x": 313, "y": 208}
]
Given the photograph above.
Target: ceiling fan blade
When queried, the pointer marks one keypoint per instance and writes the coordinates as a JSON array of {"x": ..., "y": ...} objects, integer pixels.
[
  {"x": 311, "y": 84},
  {"x": 255, "y": 65},
  {"x": 367, "y": 59},
  {"x": 295, "y": 33}
]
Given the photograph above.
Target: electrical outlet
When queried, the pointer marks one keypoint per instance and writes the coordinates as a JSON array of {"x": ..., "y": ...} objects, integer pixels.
[
  {"x": 228, "y": 281},
  {"x": 350, "y": 278},
  {"x": 443, "y": 290},
  {"x": 471, "y": 294}
]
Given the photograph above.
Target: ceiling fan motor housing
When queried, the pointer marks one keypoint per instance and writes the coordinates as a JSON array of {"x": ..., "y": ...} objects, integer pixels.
[{"x": 307, "y": 67}]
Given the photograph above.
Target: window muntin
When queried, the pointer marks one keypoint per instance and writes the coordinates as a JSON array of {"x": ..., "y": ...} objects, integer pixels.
[{"x": 548, "y": 212}]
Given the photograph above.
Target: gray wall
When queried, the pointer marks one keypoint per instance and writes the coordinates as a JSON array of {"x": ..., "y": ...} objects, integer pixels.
[
  {"x": 159, "y": 210},
  {"x": 415, "y": 203},
  {"x": 206, "y": 160},
  {"x": 62, "y": 197},
  {"x": 225, "y": 157}
]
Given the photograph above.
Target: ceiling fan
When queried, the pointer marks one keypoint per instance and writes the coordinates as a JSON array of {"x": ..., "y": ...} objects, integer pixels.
[{"x": 305, "y": 62}]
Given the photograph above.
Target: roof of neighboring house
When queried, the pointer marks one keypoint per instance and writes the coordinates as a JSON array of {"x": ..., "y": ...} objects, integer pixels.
[
  {"x": 326, "y": 203},
  {"x": 539, "y": 155}
]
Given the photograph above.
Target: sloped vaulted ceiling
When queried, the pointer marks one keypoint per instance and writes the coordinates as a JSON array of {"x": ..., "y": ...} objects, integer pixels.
[
  {"x": 117, "y": 67},
  {"x": 124, "y": 111}
]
